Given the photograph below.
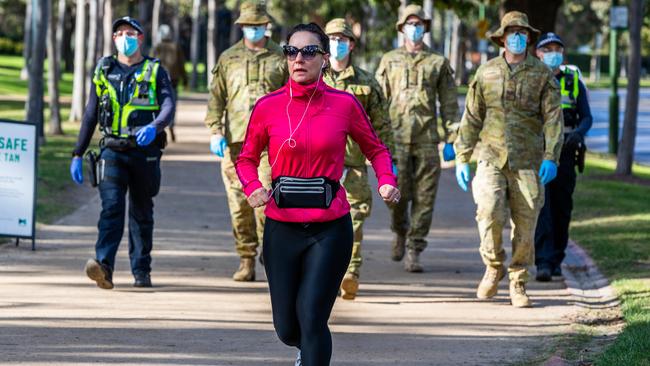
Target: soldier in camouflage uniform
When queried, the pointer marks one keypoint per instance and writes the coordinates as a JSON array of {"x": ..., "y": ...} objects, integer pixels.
[
  {"x": 513, "y": 110},
  {"x": 245, "y": 72},
  {"x": 345, "y": 76},
  {"x": 413, "y": 78}
]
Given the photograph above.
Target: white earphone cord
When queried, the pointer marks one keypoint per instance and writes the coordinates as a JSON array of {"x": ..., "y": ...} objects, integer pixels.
[{"x": 291, "y": 130}]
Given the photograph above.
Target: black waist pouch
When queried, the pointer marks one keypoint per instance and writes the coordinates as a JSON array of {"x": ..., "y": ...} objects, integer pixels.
[
  {"x": 293, "y": 192},
  {"x": 118, "y": 143},
  {"x": 91, "y": 162}
]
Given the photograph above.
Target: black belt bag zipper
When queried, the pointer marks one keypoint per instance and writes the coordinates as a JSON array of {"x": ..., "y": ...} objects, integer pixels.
[{"x": 293, "y": 192}]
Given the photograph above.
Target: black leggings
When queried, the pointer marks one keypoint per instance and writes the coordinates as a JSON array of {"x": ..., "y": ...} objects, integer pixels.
[{"x": 305, "y": 264}]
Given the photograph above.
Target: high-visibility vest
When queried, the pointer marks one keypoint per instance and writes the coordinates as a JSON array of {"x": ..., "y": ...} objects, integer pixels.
[
  {"x": 570, "y": 93},
  {"x": 121, "y": 120}
]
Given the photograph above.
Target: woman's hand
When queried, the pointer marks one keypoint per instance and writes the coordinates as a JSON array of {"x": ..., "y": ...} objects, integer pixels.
[
  {"x": 258, "y": 198},
  {"x": 389, "y": 193}
]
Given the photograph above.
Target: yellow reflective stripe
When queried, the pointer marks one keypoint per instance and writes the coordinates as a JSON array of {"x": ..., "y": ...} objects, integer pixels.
[
  {"x": 153, "y": 90},
  {"x": 575, "y": 85},
  {"x": 153, "y": 102},
  {"x": 102, "y": 85}
]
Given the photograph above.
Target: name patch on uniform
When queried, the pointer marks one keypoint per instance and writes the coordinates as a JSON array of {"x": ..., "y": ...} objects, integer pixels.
[{"x": 492, "y": 75}]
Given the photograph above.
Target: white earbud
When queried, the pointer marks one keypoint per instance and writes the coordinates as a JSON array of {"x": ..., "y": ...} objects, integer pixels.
[{"x": 324, "y": 64}]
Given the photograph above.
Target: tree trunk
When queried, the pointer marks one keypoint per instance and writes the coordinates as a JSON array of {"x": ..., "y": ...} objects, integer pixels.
[
  {"x": 60, "y": 29},
  {"x": 541, "y": 14},
  {"x": 176, "y": 27},
  {"x": 67, "y": 52},
  {"x": 594, "y": 67},
  {"x": 234, "y": 28},
  {"x": 400, "y": 35},
  {"x": 144, "y": 16},
  {"x": 91, "y": 45},
  {"x": 211, "y": 49},
  {"x": 34, "y": 103},
  {"x": 107, "y": 25},
  {"x": 427, "y": 5},
  {"x": 53, "y": 76},
  {"x": 625, "y": 156},
  {"x": 79, "y": 82},
  {"x": 99, "y": 35},
  {"x": 455, "y": 51},
  {"x": 443, "y": 32},
  {"x": 155, "y": 21},
  {"x": 194, "y": 46},
  {"x": 27, "y": 40}
]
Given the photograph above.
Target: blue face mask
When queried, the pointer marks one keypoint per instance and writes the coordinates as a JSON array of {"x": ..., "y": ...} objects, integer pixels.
[
  {"x": 126, "y": 45},
  {"x": 553, "y": 59},
  {"x": 516, "y": 43},
  {"x": 339, "y": 49},
  {"x": 254, "y": 33},
  {"x": 413, "y": 32}
]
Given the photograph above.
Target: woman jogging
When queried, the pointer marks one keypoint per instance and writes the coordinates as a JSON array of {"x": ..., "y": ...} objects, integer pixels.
[{"x": 308, "y": 231}]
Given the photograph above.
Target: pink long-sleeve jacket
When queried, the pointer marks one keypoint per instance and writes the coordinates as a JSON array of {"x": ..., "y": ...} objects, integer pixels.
[{"x": 317, "y": 147}]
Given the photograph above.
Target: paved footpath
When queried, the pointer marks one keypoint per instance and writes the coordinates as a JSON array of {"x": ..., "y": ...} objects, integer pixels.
[{"x": 51, "y": 314}]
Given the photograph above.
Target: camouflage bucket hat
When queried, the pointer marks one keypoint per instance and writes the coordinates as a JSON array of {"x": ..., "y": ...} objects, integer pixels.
[
  {"x": 252, "y": 13},
  {"x": 418, "y": 12},
  {"x": 513, "y": 19},
  {"x": 339, "y": 25}
]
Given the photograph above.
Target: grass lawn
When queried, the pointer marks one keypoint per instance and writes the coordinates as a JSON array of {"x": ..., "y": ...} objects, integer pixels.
[
  {"x": 605, "y": 83},
  {"x": 612, "y": 221},
  {"x": 57, "y": 195},
  {"x": 11, "y": 84}
]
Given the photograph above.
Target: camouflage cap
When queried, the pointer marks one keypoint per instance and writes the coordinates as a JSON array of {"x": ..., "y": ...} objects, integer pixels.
[
  {"x": 513, "y": 19},
  {"x": 252, "y": 12},
  {"x": 418, "y": 12},
  {"x": 339, "y": 25}
]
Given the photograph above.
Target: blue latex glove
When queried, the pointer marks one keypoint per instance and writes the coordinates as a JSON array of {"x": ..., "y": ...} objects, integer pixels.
[
  {"x": 448, "y": 153},
  {"x": 463, "y": 175},
  {"x": 547, "y": 171},
  {"x": 218, "y": 145},
  {"x": 395, "y": 169},
  {"x": 145, "y": 135},
  {"x": 76, "y": 170}
]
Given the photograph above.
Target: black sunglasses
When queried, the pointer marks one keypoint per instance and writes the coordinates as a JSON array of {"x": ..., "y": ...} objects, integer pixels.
[{"x": 308, "y": 52}]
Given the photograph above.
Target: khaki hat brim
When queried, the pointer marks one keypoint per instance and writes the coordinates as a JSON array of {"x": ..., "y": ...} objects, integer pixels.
[
  {"x": 254, "y": 21},
  {"x": 427, "y": 23},
  {"x": 497, "y": 34}
]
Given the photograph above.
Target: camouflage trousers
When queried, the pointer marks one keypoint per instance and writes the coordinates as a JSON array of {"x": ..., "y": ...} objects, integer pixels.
[
  {"x": 418, "y": 173},
  {"x": 355, "y": 182},
  {"x": 247, "y": 223},
  {"x": 495, "y": 191}
]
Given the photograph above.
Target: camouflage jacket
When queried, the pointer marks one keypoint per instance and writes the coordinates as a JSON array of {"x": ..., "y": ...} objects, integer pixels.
[
  {"x": 412, "y": 84},
  {"x": 364, "y": 86},
  {"x": 240, "y": 78},
  {"x": 515, "y": 114}
]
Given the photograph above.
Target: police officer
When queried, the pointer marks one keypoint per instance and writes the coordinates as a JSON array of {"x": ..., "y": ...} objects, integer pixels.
[
  {"x": 412, "y": 78},
  {"x": 172, "y": 59},
  {"x": 245, "y": 72},
  {"x": 552, "y": 233},
  {"x": 133, "y": 102},
  {"x": 513, "y": 109},
  {"x": 344, "y": 75}
]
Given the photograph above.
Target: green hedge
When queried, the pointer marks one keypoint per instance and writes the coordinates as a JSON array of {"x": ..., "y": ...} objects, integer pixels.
[{"x": 9, "y": 47}]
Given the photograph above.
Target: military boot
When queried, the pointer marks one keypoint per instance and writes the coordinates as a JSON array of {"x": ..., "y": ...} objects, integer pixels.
[
  {"x": 490, "y": 282},
  {"x": 246, "y": 271},
  {"x": 518, "y": 296},
  {"x": 399, "y": 243},
  {"x": 412, "y": 262},
  {"x": 349, "y": 286}
]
